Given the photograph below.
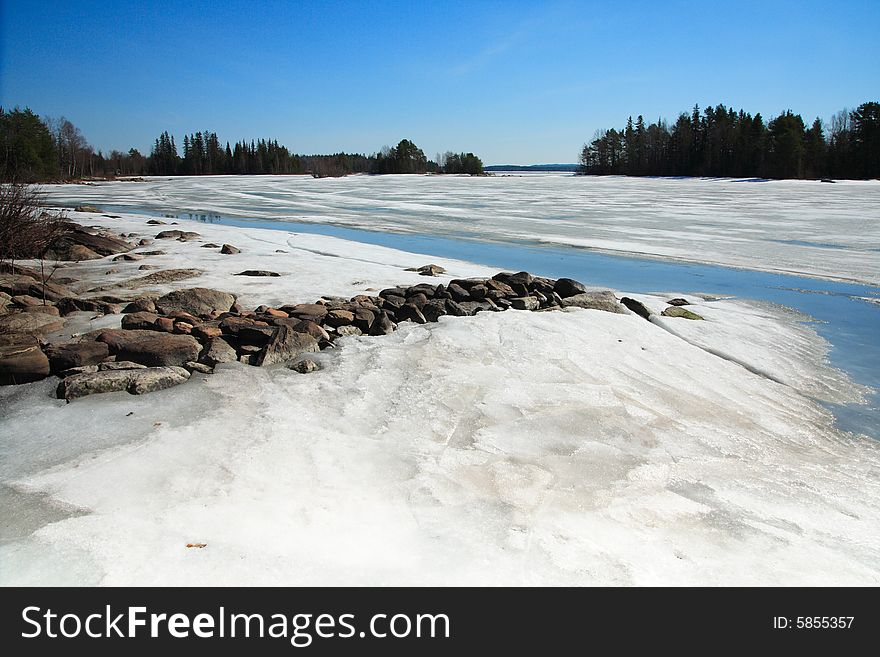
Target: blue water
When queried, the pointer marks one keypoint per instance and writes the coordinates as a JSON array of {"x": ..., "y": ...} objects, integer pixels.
[{"x": 851, "y": 325}]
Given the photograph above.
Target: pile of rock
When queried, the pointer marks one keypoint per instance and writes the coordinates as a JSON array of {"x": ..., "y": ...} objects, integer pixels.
[{"x": 164, "y": 339}]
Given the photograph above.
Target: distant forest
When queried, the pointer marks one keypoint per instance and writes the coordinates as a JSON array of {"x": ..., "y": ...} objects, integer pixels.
[
  {"x": 723, "y": 142},
  {"x": 40, "y": 150}
]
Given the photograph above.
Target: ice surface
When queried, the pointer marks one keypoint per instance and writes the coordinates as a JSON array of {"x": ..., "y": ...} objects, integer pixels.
[
  {"x": 572, "y": 447},
  {"x": 803, "y": 227}
]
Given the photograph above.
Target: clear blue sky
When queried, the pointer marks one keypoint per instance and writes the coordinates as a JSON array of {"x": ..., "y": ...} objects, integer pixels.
[{"x": 515, "y": 82}]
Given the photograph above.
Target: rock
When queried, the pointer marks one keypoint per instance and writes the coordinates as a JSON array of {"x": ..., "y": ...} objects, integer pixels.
[
  {"x": 81, "y": 243},
  {"x": 310, "y": 311},
  {"x": 502, "y": 289},
  {"x": 30, "y": 323},
  {"x": 120, "y": 365},
  {"x": 16, "y": 284},
  {"x": 604, "y": 300},
  {"x": 210, "y": 245},
  {"x": 128, "y": 257},
  {"x": 196, "y": 301},
  {"x": 46, "y": 310},
  {"x": 145, "y": 242},
  {"x": 525, "y": 303},
  {"x": 338, "y": 318},
  {"x": 145, "y": 267},
  {"x": 256, "y": 335},
  {"x": 393, "y": 291},
  {"x": 141, "y": 304},
  {"x": 383, "y": 325},
  {"x": 315, "y": 330},
  {"x": 140, "y": 320},
  {"x": 217, "y": 350},
  {"x": 204, "y": 332},
  {"x": 77, "y": 370},
  {"x": 87, "y": 208},
  {"x": 458, "y": 293},
  {"x": 345, "y": 331},
  {"x": 257, "y": 272},
  {"x": 75, "y": 354},
  {"x": 228, "y": 249},
  {"x": 434, "y": 309},
  {"x": 678, "y": 301},
  {"x": 286, "y": 345},
  {"x": 164, "y": 324},
  {"x": 364, "y": 319},
  {"x": 637, "y": 307},
  {"x": 519, "y": 281},
  {"x": 233, "y": 325},
  {"x": 392, "y": 301},
  {"x": 428, "y": 290},
  {"x": 305, "y": 366},
  {"x": 568, "y": 287},
  {"x": 410, "y": 312},
  {"x": 24, "y": 300},
  {"x": 175, "y": 234},
  {"x": 473, "y": 307},
  {"x": 151, "y": 348},
  {"x": 478, "y": 292},
  {"x": 193, "y": 366},
  {"x": 156, "y": 222},
  {"x": 21, "y": 359},
  {"x": 280, "y": 251},
  {"x": 454, "y": 308},
  {"x": 151, "y": 253},
  {"x": 428, "y": 270},
  {"x": 675, "y": 311},
  {"x": 69, "y": 305},
  {"x": 274, "y": 312},
  {"x": 135, "y": 381},
  {"x": 165, "y": 276}
]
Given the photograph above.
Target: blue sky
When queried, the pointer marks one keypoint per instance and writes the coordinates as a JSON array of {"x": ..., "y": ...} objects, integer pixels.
[{"x": 515, "y": 82}]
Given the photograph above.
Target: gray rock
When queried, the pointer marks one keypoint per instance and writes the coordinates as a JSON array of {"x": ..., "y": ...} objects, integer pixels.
[
  {"x": 473, "y": 307},
  {"x": 120, "y": 365},
  {"x": 128, "y": 257},
  {"x": 604, "y": 300},
  {"x": 193, "y": 366},
  {"x": 218, "y": 350},
  {"x": 428, "y": 270},
  {"x": 195, "y": 301},
  {"x": 228, "y": 249},
  {"x": 21, "y": 359},
  {"x": 678, "y": 301},
  {"x": 133, "y": 381},
  {"x": 637, "y": 307},
  {"x": 525, "y": 303},
  {"x": 305, "y": 366},
  {"x": 142, "y": 304},
  {"x": 286, "y": 345},
  {"x": 434, "y": 309},
  {"x": 346, "y": 331}
]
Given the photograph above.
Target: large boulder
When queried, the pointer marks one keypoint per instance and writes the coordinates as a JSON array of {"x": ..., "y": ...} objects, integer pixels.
[
  {"x": 79, "y": 242},
  {"x": 137, "y": 381},
  {"x": 176, "y": 234},
  {"x": 76, "y": 354},
  {"x": 196, "y": 301},
  {"x": 151, "y": 348},
  {"x": 69, "y": 305},
  {"x": 286, "y": 345},
  {"x": 637, "y": 307},
  {"x": 30, "y": 323},
  {"x": 568, "y": 287},
  {"x": 140, "y": 320},
  {"x": 525, "y": 303},
  {"x": 18, "y": 284},
  {"x": 21, "y": 359},
  {"x": 604, "y": 300}
]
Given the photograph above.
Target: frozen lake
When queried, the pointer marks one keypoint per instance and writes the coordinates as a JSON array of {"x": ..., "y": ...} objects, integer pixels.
[
  {"x": 801, "y": 227},
  {"x": 810, "y": 246}
]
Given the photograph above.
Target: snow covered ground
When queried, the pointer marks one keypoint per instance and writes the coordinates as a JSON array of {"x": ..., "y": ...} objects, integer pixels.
[
  {"x": 803, "y": 227},
  {"x": 575, "y": 447}
]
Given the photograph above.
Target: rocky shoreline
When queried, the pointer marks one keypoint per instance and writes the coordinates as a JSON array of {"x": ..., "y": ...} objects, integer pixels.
[{"x": 163, "y": 339}]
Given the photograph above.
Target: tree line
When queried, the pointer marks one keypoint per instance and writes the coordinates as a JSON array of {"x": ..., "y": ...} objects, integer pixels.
[
  {"x": 34, "y": 149},
  {"x": 721, "y": 141}
]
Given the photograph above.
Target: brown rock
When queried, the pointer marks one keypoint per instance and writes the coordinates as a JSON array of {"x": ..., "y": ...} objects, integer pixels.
[
  {"x": 196, "y": 301},
  {"x": 75, "y": 354},
  {"x": 21, "y": 359},
  {"x": 286, "y": 345}
]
